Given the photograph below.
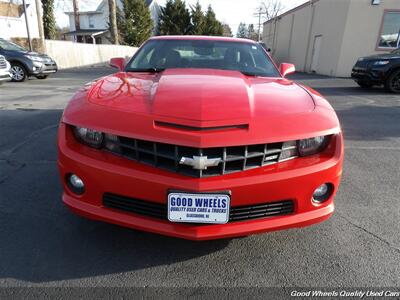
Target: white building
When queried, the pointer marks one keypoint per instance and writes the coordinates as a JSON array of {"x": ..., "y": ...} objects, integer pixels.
[
  {"x": 94, "y": 18},
  {"x": 12, "y": 19}
]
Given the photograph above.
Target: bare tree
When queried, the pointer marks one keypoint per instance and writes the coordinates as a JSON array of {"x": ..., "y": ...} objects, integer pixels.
[
  {"x": 271, "y": 8},
  {"x": 268, "y": 10},
  {"x": 112, "y": 8}
]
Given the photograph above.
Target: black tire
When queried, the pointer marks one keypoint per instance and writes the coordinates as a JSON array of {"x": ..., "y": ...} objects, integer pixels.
[
  {"x": 18, "y": 72},
  {"x": 42, "y": 76},
  {"x": 365, "y": 85},
  {"x": 392, "y": 83}
]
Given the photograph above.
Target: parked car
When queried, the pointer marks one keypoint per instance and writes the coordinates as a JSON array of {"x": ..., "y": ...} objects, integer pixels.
[
  {"x": 200, "y": 138},
  {"x": 5, "y": 67},
  {"x": 25, "y": 63},
  {"x": 381, "y": 69}
]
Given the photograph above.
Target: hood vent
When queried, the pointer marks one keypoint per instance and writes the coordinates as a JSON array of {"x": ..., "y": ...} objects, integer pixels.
[{"x": 194, "y": 128}]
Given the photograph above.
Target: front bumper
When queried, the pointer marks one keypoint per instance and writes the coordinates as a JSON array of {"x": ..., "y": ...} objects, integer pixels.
[
  {"x": 5, "y": 76},
  {"x": 39, "y": 68},
  {"x": 103, "y": 172},
  {"x": 369, "y": 75}
]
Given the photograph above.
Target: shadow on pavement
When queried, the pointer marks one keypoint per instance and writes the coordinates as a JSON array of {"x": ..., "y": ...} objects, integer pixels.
[
  {"x": 370, "y": 123},
  {"x": 41, "y": 240}
]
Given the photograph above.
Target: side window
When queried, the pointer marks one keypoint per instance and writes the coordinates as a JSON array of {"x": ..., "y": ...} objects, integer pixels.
[{"x": 390, "y": 33}]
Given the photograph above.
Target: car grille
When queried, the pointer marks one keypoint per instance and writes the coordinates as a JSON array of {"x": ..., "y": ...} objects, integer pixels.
[
  {"x": 159, "y": 211},
  {"x": 232, "y": 159},
  {"x": 3, "y": 64}
]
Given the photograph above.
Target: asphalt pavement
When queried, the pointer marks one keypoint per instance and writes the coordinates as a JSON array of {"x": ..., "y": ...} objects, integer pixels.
[{"x": 43, "y": 244}]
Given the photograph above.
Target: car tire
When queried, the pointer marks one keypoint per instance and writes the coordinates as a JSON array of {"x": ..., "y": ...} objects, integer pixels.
[
  {"x": 364, "y": 85},
  {"x": 392, "y": 83},
  {"x": 42, "y": 76},
  {"x": 18, "y": 72}
]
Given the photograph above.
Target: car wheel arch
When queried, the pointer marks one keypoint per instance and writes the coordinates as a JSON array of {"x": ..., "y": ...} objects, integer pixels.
[
  {"x": 20, "y": 62},
  {"x": 23, "y": 66},
  {"x": 391, "y": 71},
  {"x": 387, "y": 81}
]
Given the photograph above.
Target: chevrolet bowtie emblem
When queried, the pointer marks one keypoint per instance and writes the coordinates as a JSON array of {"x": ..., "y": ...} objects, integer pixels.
[{"x": 200, "y": 162}]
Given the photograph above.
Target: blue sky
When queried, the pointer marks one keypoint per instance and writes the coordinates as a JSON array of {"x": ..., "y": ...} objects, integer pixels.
[{"x": 228, "y": 11}]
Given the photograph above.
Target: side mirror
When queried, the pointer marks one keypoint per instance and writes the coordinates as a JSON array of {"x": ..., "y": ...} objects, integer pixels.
[
  {"x": 118, "y": 62},
  {"x": 287, "y": 69},
  {"x": 268, "y": 49}
]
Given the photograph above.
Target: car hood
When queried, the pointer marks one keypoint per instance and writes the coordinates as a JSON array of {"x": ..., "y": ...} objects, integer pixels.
[
  {"x": 201, "y": 95},
  {"x": 31, "y": 53},
  {"x": 381, "y": 56},
  {"x": 199, "y": 107}
]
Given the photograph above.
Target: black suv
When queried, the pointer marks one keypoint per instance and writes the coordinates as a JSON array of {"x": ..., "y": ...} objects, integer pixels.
[
  {"x": 377, "y": 70},
  {"x": 25, "y": 63}
]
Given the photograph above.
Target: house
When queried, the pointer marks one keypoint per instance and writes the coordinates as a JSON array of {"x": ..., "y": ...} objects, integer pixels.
[
  {"x": 12, "y": 19},
  {"x": 94, "y": 18},
  {"x": 327, "y": 37}
]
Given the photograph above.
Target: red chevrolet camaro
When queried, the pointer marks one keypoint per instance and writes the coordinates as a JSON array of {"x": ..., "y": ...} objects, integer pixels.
[{"x": 200, "y": 138}]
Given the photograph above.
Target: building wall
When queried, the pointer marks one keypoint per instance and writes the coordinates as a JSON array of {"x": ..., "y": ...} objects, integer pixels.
[
  {"x": 362, "y": 32},
  {"x": 70, "y": 55},
  {"x": 99, "y": 21},
  {"x": 296, "y": 31},
  {"x": 349, "y": 29},
  {"x": 15, "y": 27}
]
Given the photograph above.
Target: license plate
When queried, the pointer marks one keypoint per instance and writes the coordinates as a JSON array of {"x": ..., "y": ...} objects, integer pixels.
[{"x": 198, "y": 208}]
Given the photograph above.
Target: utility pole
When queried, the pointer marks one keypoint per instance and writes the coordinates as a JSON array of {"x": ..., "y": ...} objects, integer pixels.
[
  {"x": 40, "y": 23},
  {"x": 112, "y": 10},
  {"x": 27, "y": 26},
  {"x": 259, "y": 14},
  {"x": 76, "y": 14}
]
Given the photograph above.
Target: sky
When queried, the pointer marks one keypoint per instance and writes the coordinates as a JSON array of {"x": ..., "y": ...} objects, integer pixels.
[{"x": 231, "y": 12}]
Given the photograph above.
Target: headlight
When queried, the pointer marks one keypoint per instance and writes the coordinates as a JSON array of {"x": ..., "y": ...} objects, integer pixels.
[
  {"x": 34, "y": 58},
  {"x": 312, "y": 145},
  {"x": 89, "y": 136},
  {"x": 381, "y": 62}
]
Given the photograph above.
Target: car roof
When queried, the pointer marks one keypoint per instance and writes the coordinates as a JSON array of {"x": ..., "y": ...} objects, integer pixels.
[{"x": 201, "y": 38}]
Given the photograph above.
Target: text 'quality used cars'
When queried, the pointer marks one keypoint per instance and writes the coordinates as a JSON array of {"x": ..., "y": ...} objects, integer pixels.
[{"x": 200, "y": 138}]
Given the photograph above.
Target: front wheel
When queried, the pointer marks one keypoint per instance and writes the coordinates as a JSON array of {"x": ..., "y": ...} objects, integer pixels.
[
  {"x": 18, "y": 72},
  {"x": 392, "y": 84},
  {"x": 42, "y": 76}
]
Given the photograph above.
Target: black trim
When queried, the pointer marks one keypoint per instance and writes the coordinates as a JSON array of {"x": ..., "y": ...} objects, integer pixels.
[
  {"x": 160, "y": 211},
  {"x": 193, "y": 128}
]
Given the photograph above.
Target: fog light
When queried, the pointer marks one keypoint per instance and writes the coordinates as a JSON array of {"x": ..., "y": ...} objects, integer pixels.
[
  {"x": 75, "y": 184},
  {"x": 322, "y": 193}
]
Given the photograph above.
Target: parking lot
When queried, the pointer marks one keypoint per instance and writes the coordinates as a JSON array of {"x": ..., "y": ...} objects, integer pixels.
[{"x": 42, "y": 243}]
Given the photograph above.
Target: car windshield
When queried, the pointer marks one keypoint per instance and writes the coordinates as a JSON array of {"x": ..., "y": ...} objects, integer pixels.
[
  {"x": 6, "y": 45},
  {"x": 158, "y": 55}
]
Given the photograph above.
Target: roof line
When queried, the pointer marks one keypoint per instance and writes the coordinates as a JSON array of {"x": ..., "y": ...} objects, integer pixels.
[{"x": 310, "y": 2}]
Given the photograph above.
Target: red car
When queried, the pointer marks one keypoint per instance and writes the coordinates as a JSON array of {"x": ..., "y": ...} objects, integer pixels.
[{"x": 200, "y": 138}]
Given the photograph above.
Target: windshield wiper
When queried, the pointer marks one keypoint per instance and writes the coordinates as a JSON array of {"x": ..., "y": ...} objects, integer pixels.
[
  {"x": 149, "y": 70},
  {"x": 246, "y": 73}
]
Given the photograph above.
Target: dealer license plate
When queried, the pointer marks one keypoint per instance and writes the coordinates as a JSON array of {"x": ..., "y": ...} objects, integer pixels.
[{"x": 198, "y": 208}]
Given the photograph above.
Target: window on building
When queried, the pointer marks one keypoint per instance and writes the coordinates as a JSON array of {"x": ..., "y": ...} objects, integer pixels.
[
  {"x": 390, "y": 32},
  {"x": 91, "y": 21}
]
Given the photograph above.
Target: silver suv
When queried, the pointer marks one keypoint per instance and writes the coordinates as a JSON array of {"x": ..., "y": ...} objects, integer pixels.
[{"x": 5, "y": 74}]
